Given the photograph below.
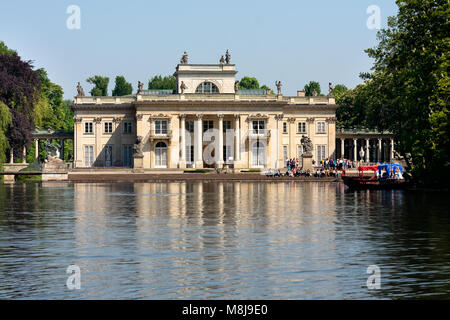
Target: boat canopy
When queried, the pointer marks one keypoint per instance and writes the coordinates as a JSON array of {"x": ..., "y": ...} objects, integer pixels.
[
  {"x": 390, "y": 166},
  {"x": 368, "y": 168}
]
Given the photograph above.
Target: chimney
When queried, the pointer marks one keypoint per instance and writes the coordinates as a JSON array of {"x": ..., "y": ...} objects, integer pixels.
[{"x": 300, "y": 93}]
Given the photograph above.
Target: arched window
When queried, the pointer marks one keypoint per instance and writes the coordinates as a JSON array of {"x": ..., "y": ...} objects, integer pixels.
[{"x": 207, "y": 87}]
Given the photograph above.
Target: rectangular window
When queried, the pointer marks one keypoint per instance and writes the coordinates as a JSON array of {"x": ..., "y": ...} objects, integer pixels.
[
  {"x": 189, "y": 154},
  {"x": 108, "y": 127},
  {"x": 160, "y": 126},
  {"x": 284, "y": 127},
  {"x": 226, "y": 125},
  {"x": 88, "y": 127},
  {"x": 208, "y": 124},
  {"x": 127, "y": 156},
  {"x": 190, "y": 126},
  {"x": 320, "y": 153},
  {"x": 88, "y": 156},
  {"x": 285, "y": 155},
  {"x": 227, "y": 153},
  {"x": 127, "y": 128},
  {"x": 258, "y": 126},
  {"x": 301, "y": 127},
  {"x": 320, "y": 127}
]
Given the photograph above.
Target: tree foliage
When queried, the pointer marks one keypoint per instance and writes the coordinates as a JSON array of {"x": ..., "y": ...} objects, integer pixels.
[
  {"x": 166, "y": 83},
  {"x": 407, "y": 91},
  {"x": 248, "y": 83},
  {"x": 100, "y": 88},
  {"x": 339, "y": 90},
  {"x": 19, "y": 91},
  {"x": 311, "y": 87},
  {"x": 122, "y": 87}
]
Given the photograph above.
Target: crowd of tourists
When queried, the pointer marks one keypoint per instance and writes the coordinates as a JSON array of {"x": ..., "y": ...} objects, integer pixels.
[{"x": 324, "y": 168}]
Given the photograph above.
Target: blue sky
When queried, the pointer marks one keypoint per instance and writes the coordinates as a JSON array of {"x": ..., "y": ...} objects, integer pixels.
[{"x": 292, "y": 41}]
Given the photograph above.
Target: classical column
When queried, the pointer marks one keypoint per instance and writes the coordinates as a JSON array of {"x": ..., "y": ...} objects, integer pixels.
[
  {"x": 182, "y": 118},
  {"x": 367, "y": 151},
  {"x": 355, "y": 149},
  {"x": 237, "y": 137},
  {"x": 220, "y": 144},
  {"x": 392, "y": 149},
  {"x": 36, "y": 150},
  {"x": 118, "y": 158},
  {"x": 198, "y": 144},
  {"x": 292, "y": 133},
  {"x": 379, "y": 149},
  {"x": 24, "y": 155},
  {"x": 98, "y": 146},
  {"x": 342, "y": 148},
  {"x": 11, "y": 155}
]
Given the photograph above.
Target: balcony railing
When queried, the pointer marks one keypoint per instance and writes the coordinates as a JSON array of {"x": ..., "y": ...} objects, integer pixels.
[
  {"x": 259, "y": 133},
  {"x": 161, "y": 134}
]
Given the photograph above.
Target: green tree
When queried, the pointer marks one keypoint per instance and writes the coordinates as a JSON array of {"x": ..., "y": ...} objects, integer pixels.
[
  {"x": 100, "y": 85},
  {"x": 352, "y": 111},
  {"x": 122, "y": 87},
  {"x": 339, "y": 90},
  {"x": 166, "y": 83},
  {"x": 311, "y": 87},
  {"x": 409, "y": 86},
  {"x": 5, "y": 122},
  {"x": 267, "y": 88},
  {"x": 248, "y": 83},
  {"x": 5, "y": 50}
]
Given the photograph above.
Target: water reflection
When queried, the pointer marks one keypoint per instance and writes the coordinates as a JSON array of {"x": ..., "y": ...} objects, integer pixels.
[{"x": 228, "y": 240}]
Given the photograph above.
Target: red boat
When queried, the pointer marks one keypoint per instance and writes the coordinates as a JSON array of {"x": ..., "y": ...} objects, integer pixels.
[{"x": 385, "y": 176}]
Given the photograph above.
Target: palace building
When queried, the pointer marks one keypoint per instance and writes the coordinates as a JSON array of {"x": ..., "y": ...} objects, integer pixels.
[{"x": 207, "y": 122}]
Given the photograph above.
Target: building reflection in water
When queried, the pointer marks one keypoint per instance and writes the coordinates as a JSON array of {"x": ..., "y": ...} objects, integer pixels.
[
  {"x": 235, "y": 240},
  {"x": 203, "y": 235}
]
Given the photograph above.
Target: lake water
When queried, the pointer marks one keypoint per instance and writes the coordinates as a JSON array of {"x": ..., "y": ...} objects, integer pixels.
[{"x": 221, "y": 240}]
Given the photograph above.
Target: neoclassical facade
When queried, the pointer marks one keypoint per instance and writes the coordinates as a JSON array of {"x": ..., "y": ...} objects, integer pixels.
[{"x": 207, "y": 122}]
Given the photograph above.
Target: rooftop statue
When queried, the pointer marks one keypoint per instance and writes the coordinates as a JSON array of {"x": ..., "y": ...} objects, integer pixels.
[
  {"x": 227, "y": 57},
  {"x": 80, "y": 90},
  {"x": 314, "y": 93},
  {"x": 140, "y": 87},
  {"x": 222, "y": 60},
  {"x": 184, "y": 58},
  {"x": 236, "y": 86},
  {"x": 330, "y": 88},
  {"x": 278, "y": 84},
  {"x": 307, "y": 145},
  {"x": 182, "y": 87}
]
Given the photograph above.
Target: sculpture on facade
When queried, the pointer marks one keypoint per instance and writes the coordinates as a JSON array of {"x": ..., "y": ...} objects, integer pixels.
[
  {"x": 227, "y": 57},
  {"x": 330, "y": 88},
  {"x": 314, "y": 93},
  {"x": 307, "y": 146},
  {"x": 222, "y": 60},
  {"x": 137, "y": 147},
  {"x": 140, "y": 87},
  {"x": 184, "y": 58},
  {"x": 278, "y": 84},
  {"x": 182, "y": 87},
  {"x": 236, "y": 86},
  {"x": 80, "y": 90}
]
